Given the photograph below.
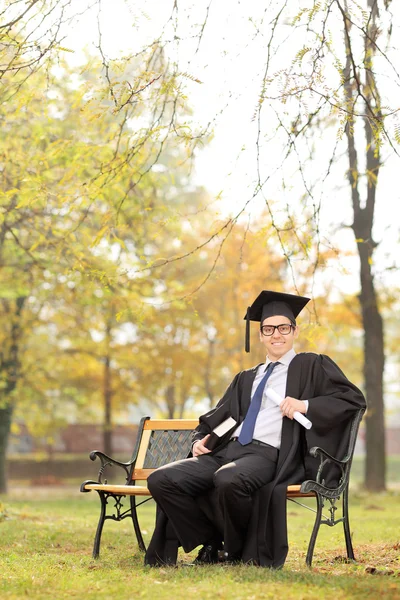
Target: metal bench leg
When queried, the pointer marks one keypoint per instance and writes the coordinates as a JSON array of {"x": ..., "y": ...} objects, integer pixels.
[
  {"x": 315, "y": 530},
  {"x": 97, "y": 539},
  {"x": 136, "y": 525},
  {"x": 346, "y": 524}
]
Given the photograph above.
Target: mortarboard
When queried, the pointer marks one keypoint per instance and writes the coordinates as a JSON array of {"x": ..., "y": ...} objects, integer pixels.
[{"x": 270, "y": 304}]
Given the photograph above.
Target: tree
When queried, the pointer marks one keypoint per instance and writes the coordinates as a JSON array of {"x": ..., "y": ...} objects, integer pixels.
[
  {"x": 31, "y": 35},
  {"x": 361, "y": 83},
  {"x": 77, "y": 169},
  {"x": 330, "y": 84},
  {"x": 70, "y": 202},
  {"x": 339, "y": 83}
]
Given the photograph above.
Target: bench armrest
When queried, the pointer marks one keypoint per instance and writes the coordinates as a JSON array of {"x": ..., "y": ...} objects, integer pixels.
[
  {"x": 107, "y": 461},
  {"x": 319, "y": 484},
  {"x": 317, "y": 451},
  {"x": 344, "y": 465}
]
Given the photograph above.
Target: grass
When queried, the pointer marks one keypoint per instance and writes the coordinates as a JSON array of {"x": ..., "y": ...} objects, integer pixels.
[{"x": 46, "y": 542}]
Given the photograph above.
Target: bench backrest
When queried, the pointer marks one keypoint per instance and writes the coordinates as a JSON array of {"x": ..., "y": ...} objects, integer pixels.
[{"x": 159, "y": 442}]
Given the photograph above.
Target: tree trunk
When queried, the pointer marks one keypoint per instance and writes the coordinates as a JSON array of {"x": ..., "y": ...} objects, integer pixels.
[
  {"x": 10, "y": 370},
  {"x": 107, "y": 425},
  {"x": 5, "y": 425},
  {"x": 208, "y": 370},
  {"x": 170, "y": 400},
  {"x": 375, "y": 464},
  {"x": 363, "y": 219}
]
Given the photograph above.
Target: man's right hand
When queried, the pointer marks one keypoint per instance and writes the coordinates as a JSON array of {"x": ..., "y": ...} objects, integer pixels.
[{"x": 199, "y": 447}]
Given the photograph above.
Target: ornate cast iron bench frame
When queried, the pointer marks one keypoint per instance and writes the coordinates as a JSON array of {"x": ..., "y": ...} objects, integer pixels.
[{"x": 162, "y": 441}]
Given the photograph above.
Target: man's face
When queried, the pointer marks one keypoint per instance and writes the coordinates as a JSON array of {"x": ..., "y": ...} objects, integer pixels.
[{"x": 278, "y": 344}]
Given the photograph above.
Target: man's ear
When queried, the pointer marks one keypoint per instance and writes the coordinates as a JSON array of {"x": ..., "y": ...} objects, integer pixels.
[{"x": 296, "y": 332}]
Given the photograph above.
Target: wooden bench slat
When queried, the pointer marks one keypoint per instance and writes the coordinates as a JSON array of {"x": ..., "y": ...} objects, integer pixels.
[
  {"x": 141, "y": 474},
  {"x": 171, "y": 424},
  {"x": 293, "y": 491},
  {"x": 126, "y": 490},
  {"x": 144, "y": 443}
]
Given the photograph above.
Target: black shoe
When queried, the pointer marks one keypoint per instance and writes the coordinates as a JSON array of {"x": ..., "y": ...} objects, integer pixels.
[
  {"x": 208, "y": 555},
  {"x": 231, "y": 559}
]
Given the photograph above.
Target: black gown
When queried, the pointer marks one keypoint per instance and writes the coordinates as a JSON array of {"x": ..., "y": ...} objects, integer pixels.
[{"x": 333, "y": 400}]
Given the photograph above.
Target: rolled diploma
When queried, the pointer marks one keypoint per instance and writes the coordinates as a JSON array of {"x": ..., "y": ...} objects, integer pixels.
[{"x": 272, "y": 395}]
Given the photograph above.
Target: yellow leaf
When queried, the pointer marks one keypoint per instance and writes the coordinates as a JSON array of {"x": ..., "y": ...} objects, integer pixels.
[
  {"x": 99, "y": 236},
  {"x": 36, "y": 244},
  {"x": 63, "y": 49},
  {"x": 12, "y": 192}
]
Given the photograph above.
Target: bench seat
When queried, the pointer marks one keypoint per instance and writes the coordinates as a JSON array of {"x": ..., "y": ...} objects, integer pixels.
[
  {"x": 293, "y": 491},
  {"x": 123, "y": 490}
]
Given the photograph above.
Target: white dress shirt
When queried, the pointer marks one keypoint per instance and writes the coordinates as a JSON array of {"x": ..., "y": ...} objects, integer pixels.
[{"x": 268, "y": 427}]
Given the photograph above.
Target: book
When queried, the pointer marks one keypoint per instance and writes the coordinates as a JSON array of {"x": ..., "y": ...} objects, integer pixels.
[{"x": 218, "y": 432}]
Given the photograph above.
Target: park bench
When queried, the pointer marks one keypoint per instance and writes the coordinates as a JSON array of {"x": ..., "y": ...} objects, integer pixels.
[{"x": 162, "y": 441}]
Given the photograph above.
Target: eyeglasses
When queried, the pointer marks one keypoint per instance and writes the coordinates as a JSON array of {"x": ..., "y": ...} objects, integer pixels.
[{"x": 284, "y": 329}]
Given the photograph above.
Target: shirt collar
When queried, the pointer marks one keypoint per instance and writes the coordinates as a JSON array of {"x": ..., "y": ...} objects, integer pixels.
[{"x": 286, "y": 359}]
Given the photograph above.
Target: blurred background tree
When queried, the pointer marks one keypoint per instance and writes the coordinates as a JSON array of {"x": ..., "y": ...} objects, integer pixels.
[{"x": 122, "y": 281}]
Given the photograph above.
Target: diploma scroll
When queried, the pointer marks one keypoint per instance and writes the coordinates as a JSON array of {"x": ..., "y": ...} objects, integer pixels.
[{"x": 272, "y": 395}]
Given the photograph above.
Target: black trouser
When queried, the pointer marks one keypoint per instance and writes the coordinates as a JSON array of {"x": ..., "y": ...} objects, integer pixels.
[{"x": 235, "y": 472}]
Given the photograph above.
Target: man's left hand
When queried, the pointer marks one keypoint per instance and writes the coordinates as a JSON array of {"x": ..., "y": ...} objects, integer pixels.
[{"x": 289, "y": 405}]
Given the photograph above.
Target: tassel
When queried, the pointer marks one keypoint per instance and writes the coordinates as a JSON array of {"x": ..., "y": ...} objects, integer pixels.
[{"x": 247, "y": 338}]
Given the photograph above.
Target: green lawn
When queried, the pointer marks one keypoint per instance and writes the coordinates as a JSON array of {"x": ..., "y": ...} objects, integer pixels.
[{"x": 46, "y": 541}]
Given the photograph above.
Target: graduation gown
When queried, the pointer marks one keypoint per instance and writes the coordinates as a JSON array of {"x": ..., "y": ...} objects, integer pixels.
[{"x": 333, "y": 400}]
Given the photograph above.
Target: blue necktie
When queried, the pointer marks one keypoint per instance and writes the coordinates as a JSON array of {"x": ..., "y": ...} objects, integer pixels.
[{"x": 246, "y": 434}]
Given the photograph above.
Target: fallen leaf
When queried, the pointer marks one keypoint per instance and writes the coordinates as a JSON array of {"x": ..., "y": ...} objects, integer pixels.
[
  {"x": 343, "y": 559},
  {"x": 375, "y": 571}
]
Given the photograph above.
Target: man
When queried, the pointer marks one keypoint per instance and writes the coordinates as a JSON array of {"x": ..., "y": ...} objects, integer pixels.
[{"x": 235, "y": 491}]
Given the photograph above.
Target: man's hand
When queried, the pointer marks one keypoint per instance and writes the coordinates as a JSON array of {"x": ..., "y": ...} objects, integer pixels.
[
  {"x": 199, "y": 447},
  {"x": 289, "y": 405}
]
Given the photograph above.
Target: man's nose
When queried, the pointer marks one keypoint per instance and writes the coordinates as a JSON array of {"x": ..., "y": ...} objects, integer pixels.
[{"x": 276, "y": 333}]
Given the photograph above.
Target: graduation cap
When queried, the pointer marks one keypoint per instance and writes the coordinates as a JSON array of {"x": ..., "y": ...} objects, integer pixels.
[{"x": 270, "y": 304}]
